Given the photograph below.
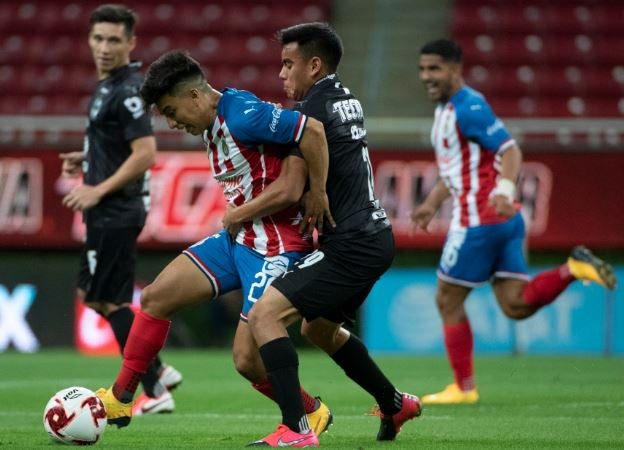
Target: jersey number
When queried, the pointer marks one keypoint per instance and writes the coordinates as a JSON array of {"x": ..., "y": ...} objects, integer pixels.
[{"x": 369, "y": 167}]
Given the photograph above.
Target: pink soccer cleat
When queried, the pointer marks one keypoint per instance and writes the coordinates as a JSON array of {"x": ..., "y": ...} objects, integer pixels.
[{"x": 285, "y": 437}]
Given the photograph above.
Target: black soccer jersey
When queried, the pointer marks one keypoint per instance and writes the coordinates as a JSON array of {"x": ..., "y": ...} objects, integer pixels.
[
  {"x": 116, "y": 117},
  {"x": 350, "y": 179}
]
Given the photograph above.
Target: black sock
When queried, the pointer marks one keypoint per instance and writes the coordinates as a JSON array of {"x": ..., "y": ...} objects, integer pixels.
[
  {"x": 121, "y": 322},
  {"x": 282, "y": 366},
  {"x": 354, "y": 359}
]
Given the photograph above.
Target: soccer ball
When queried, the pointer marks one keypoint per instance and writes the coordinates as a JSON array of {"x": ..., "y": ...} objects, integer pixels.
[{"x": 75, "y": 415}]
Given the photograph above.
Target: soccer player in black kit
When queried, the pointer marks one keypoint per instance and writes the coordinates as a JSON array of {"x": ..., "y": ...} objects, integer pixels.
[
  {"x": 119, "y": 149},
  {"x": 327, "y": 286}
]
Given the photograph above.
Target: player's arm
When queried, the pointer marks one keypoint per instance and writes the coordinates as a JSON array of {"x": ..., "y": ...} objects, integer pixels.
[
  {"x": 141, "y": 158},
  {"x": 285, "y": 191},
  {"x": 423, "y": 213},
  {"x": 479, "y": 123},
  {"x": 504, "y": 193},
  {"x": 313, "y": 146},
  {"x": 252, "y": 119}
]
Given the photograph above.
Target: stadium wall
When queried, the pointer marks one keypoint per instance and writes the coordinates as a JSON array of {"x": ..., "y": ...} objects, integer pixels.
[{"x": 400, "y": 316}]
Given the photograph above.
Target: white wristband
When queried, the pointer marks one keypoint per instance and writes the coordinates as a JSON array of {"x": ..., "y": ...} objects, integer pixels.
[{"x": 506, "y": 187}]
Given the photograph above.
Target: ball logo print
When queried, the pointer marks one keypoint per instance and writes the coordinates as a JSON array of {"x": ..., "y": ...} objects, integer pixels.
[
  {"x": 56, "y": 418},
  {"x": 75, "y": 415}
]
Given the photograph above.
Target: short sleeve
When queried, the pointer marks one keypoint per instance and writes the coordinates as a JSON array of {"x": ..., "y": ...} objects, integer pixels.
[
  {"x": 479, "y": 124},
  {"x": 253, "y": 121},
  {"x": 135, "y": 120}
]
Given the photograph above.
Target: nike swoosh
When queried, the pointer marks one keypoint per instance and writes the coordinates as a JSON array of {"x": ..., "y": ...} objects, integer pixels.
[
  {"x": 248, "y": 110},
  {"x": 149, "y": 408},
  {"x": 281, "y": 443}
]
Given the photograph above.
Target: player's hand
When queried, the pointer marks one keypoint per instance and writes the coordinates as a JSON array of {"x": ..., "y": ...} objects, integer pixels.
[
  {"x": 316, "y": 209},
  {"x": 82, "y": 197},
  {"x": 230, "y": 224},
  {"x": 422, "y": 215},
  {"x": 72, "y": 164},
  {"x": 502, "y": 205}
]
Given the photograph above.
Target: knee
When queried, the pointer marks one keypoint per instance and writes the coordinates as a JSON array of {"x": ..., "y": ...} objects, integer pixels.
[
  {"x": 515, "y": 312},
  {"x": 255, "y": 316},
  {"x": 445, "y": 302},
  {"x": 327, "y": 337},
  {"x": 308, "y": 332},
  {"x": 151, "y": 302},
  {"x": 245, "y": 365}
]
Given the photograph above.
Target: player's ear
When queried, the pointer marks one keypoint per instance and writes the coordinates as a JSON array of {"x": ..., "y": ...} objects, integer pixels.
[
  {"x": 316, "y": 65},
  {"x": 132, "y": 42}
]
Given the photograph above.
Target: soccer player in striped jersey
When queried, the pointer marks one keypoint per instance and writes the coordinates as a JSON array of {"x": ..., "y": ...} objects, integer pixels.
[
  {"x": 250, "y": 144},
  {"x": 479, "y": 164}
]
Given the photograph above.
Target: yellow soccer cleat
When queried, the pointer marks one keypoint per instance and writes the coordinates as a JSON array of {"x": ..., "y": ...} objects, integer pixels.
[
  {"x": 321, "y": 418},
  {"x": 117, "y": 413},
  {"x": 585, "y": 266},
  {"x": 451, "y": 395}
]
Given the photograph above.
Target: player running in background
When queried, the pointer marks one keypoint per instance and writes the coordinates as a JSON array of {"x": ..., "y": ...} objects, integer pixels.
[
  {"x": 242, "y": 135},
  {"x": 327, "y": 287},
  {"x": 479, "y": 164},
  {"x": 119, "y": 149}
]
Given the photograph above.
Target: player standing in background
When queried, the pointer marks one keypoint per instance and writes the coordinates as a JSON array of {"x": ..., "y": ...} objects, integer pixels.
[
  {"x": 479, "y": 164},
  {"x": 328, "y": 286},
  {"x": 247, "y": 140},
  {"x": 119, "y": 149}
]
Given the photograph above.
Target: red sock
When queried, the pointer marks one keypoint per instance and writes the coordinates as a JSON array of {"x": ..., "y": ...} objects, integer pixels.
[
  {"x": 546, "y": 286},
  {"x": 147, "y": 337},
  {"x": 265, "y": 388},
  {"x": 458, "y": 342}
]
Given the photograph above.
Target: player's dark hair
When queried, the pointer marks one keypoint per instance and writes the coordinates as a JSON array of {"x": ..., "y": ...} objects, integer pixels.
[
  {"x": 167, "y": 72},
  {"x": 315, "y": 39},
  {"x": 115, "y": 14},
  {"x": 447, "y": 49}
]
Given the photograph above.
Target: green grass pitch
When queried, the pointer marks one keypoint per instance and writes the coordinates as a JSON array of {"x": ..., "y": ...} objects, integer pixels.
[{"x": 526, "y": 402}]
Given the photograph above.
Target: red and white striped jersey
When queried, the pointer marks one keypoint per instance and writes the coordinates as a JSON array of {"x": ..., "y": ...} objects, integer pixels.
[
  {"x": 469, "y": 141},
  {"x": 246, "y": 145}
]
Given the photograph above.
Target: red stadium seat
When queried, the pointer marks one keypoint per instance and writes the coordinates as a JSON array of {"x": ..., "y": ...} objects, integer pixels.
[{"x": 8, "y": 79}]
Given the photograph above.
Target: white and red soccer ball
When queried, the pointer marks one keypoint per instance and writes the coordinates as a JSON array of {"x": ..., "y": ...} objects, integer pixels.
[{"x": 75, "y": 415}]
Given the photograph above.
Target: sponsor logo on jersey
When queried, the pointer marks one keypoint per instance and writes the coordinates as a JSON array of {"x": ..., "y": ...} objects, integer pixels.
[
  {"x": 349, "y": 110},
  {"x": 277, "y": 112},
  {"x": 497, "y": 125}
]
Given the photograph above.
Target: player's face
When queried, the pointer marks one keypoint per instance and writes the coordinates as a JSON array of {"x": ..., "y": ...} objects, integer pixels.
[
  {"x": 110, "y": 46},
  {"x": 296, "y": 73},
  {"x": 183, "y": 112},
  {"x": 441, "y": 78}
]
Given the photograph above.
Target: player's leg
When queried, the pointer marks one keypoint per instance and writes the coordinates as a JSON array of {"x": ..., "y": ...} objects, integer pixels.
[
  {"x": 202, "y": 272},
  {"x": 350, "y": 354},
  {"x": 257, "y": 272},
  {"x": 268, "y": 320},
  {"x": 520, "y": 298},
  {"x": 459, "y": 345},
  {"x": 316, "y": 286},
  {"x": 466, "y": 261}
]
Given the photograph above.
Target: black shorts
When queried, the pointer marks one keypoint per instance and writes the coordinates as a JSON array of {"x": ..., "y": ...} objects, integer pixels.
[
  {"x": 334, "y": 281},
  {"x": 107, "y": 264}
]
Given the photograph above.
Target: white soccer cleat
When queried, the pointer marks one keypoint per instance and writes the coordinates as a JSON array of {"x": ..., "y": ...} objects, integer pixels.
[
  {"x": 169, "y": 377},
  {"x": 145, "y": 405}
]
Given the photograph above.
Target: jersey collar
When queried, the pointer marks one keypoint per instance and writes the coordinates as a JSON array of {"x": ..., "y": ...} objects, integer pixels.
[{"x": 322, "y": 83}]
